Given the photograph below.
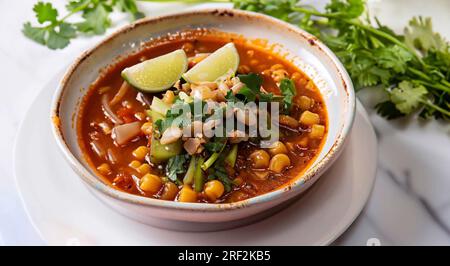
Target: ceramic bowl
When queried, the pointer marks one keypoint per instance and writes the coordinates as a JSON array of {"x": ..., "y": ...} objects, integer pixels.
[{"x": 303, "y": 49}]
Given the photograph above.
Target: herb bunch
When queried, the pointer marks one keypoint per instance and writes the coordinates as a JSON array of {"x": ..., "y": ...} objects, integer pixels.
[
  {"x": 413, "y": 69},
  {"x": 56, "y": 31}
]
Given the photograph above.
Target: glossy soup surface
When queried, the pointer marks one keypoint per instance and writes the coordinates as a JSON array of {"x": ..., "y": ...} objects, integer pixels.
[{"x": 94, "y": 126}]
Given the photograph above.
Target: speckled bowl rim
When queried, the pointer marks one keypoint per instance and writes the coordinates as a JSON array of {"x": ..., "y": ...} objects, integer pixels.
[{"x": 301, "y": 180}]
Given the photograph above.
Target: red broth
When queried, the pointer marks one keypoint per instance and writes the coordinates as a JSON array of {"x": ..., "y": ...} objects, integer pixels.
[{"x": 301, "y": 144}]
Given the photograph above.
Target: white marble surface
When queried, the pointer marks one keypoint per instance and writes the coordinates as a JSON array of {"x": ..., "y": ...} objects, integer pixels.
[{"x": 410, "y": 204}]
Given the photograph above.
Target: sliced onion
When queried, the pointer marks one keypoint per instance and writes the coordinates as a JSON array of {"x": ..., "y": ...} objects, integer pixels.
[
  {"x": 97, "y": 148},
  {"x": 112, "y": 157},
  {"x": 121, "y": 134},
  {"x": 121, "y": 93},
  {"x": 109, "y": 112},
  {"x": 144, "y": 99}
]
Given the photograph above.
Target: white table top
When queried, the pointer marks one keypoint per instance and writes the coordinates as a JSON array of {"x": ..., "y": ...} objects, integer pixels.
[{"x": 410, "y": 203}]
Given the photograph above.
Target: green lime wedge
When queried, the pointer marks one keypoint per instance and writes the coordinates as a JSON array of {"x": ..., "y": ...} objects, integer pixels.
[
  {"x": 215, "y": 65},
  {"x": 157, "y": 74}
]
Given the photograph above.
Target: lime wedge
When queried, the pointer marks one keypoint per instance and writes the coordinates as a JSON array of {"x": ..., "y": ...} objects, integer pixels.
[
  {"x": 157, "y": 74},
  {"x": 215, "y": 65}
]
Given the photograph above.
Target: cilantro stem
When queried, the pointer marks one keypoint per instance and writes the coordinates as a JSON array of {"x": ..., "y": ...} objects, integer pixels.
[
  {"x": 357, "y": 23},
  {"x": 212, "y": 159},
  {"x": 433, "y": 85},
  {"x": 74, "y": 11},
  {"x": 437, "y": 108}
]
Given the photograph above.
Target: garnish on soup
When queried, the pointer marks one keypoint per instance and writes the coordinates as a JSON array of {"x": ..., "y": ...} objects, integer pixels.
[{"x": 202, "y": 117}]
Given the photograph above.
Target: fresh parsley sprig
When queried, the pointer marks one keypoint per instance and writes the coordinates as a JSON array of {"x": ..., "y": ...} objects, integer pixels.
[
  {"x": 55, "y": 31},
  {"x": 413, "y": 68}
]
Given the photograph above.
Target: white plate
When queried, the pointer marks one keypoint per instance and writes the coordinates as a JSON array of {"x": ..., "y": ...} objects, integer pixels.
[{"x": 64, "y": 212}]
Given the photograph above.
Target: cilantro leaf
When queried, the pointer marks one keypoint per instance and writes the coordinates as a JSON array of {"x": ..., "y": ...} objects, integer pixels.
[
  {"x": 36, "y": 34},
  {"x": 252, "y": 89},
  {"x": 346, "y": 9},
  {"x": 130, "y": 7},
  {"x": 56, "y": 33},
  {"x": 56, "y": 40},
  {"x": 218, "y": 171},
  {"x": 252, "y": 81},
  {"x": 176, "y": 165},
  {"x": 216, "y": 144},
  {"x": 393, "y": 57},
  {"x": 45, "y": 12},
  {"x": 96, "y": 20},
  {"x": 67, "y": 30},
  {"x": 407, "y": 97},
  {"x": 374, "y": 55},
  {"x": 419, "y": 35},
  {"x": 288, "y": 90}
]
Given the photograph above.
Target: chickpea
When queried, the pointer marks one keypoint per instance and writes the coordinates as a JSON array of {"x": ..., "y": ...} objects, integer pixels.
[
  {"x": 170, "y": 191},
  {"x": 309, "y": 118},
  {"x": 279, "y": 162},
  {"x": 187, "y": 194},
  {"x": 169, "y": 97},
  {"x": 279, "y": 74},
  {"x": 260, "y": 159},
  {"x": 150, "y": 183},
  {"x": 304, "y": 102},
  {"x": 213, "y": 190},
  {"x": 317, "y": 131},
  {"x": 278, "y": 148}
]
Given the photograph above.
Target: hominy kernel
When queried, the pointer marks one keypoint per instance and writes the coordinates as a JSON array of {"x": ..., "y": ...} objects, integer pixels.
[
  {"x": 309, "y": 118},
  {"x": 140, "y": 152},
  {"x": 134, "y": 164},
  {"x": 143, "y": 169}
]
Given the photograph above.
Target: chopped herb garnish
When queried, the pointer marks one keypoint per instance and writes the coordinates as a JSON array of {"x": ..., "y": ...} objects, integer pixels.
[
  {"x": 288, "y": 90},
  {"x": 176, "y": 165}
]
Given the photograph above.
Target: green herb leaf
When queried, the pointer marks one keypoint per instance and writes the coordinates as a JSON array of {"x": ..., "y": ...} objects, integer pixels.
[
  {"x": 288, "y": 90},
  {"x": 130, "y": 7},
  {"x": 176, "y": 165},
  {"x": 36, "y": 34},
  {"x": 407, "y": 97},
  {"x": 252, "y": 90},
  {"x": 56, "y": 33},
  {"x": 419, "y": 35},
  {"x": 216, "y": 144},
  {"x": 56, "y": 40},
  {"x": 45, "y": 12},
  {"x": 96, "y": 20}
]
